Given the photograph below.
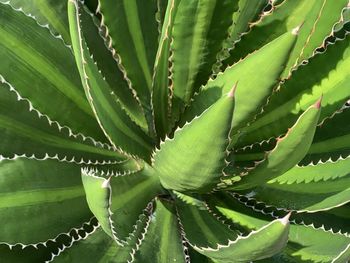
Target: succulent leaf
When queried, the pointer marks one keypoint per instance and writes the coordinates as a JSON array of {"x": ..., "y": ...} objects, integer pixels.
[
  {"x": 289, "y": 151},
  {"x": 114, "y": 121},
  {"x": 49, "y": 188},
  {"x": 26, "y": 132},
  {"x": 98, "y": 247},
  {"x": 308, "y": 188},
  {"x": 318, "y": 19},
  {"x": 54, "y": 82},
  {"x": 122, "y": 139},
  {"x": 320, "y": 76},
  {"x": 47, "y": 12},
  {"x": 163, "y": 242},
  {"x": 161, "y": 81},
  {"x": 198, "y": 26},
  {"x": 194, "y": 159},
  {"x": 109, "y": 67},
  {"x": 256, "y": 70},
  {"x": 117, "y": 202},
  {"x": 265, "y": 242},
  {"x": 136, "y": 22},
  {"x": 306, "y": 242},
  {"x": 201, "y": 228}
]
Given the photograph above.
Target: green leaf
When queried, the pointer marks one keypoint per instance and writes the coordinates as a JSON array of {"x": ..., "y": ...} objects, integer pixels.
[
  {"x": 49, "y": 69},
  {"x": 49, "y": 188},
  {"x": 99, "y": 247},
  {"x": 289, "y": 151},
  {"x": 262, "y": 243},
  {"x": 46, "y": 12},
  {"x": 163, "y": 241},
  {"x": 161, "y": 78},
  {"x": 308, "y": 188},
  {"x": 306, "y": 243},
  {"x": 336, "y": 219},
  {"x": 343, "y": 256},
  {"x": 109, "y": 67},
  {"x": 192, "y": 161},
  {"x": 133, "y": 32},
  {"x": 201, "y": 228},
  {"x": 316, "y": 245},
  {"x": 325, "y": 74},
  {"x": 257, "y": 70},
  {"x": 27, "y": 132},
  {"x": 116, "y": 124},
  {"x": 199, "y": 26},
  {"x": 247, "y": 13},
  {"x": 318, "y": 18},
  {"x": 332, "y": 139},
  {"x": 117, "y": 202}
]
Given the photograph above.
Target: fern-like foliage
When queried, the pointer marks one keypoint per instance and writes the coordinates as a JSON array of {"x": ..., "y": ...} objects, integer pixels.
[{"x": 174, "y": 131}]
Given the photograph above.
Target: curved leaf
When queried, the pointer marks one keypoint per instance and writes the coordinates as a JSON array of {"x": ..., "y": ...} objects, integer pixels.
[
  {"x": 192, "y": 161},
  {"x": 201, "y": 229},
  {"x": 51, "y": 12},
  {"x": 135, "y": 21},
  {"x": 44, "y": 73},
  {"x": 27, "y": 132},
  {"x": 161, "y": 91},
  {"x": 41, "y": 198},
  {"x": 109, "y": 67},
  {"x": 332, "y": 139},
  {"x": 309, "y": 188},
  {"x": 306, "y": 243},
  {"x": 163, "y": 241},
  {"x": 325, "y": 74},
  {"x": 256, "y": 70},
  {"x": 116, "y": 124},
  {"x": 198, "y": 33},
  {"x": 318, "y": 18},
  {"x": 117, "y": 202},
  {"x": 265, "y": 242},
  {"x": 97, "y": 246},
  {"x": 289, "y": 151}
]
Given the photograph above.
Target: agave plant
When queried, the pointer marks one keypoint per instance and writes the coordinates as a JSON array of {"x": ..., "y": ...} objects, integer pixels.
[{"x": 174, "y": 131}]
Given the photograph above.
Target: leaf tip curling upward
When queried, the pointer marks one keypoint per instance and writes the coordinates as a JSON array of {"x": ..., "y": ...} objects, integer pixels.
[
  {"x": 285, "y": 220},
  {"x": 296, "y": 30},
  {"x": 318, "y": 103},
  {"x": 105, "y": 183},
  {"x": 231, "y": 93}
]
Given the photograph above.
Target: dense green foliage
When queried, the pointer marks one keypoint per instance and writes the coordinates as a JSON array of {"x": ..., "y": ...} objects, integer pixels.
[{"x": 174, "y": 131}]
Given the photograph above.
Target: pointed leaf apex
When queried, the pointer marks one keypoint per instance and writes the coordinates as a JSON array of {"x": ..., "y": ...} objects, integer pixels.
[
  {"x": 285, "y": 220},
  {"x": 295, "y": 31},
  {"x": 231, "y": 93},
  {"x": 318, "y": 103},
  {"x": 105, "y": 183}
]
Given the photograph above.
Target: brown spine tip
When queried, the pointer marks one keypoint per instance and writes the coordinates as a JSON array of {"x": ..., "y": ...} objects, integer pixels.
[
  {"x": 285, "y": 219},
  {"x": 318, "y": 102},
  {"x": 295, "y": 31},
  {"x": 232, "y": 92}
]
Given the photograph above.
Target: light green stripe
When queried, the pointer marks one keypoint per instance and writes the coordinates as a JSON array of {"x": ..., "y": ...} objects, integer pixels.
[
  {"x": 53, "y": 18},
  {"x": 132, "y": 194},
  {"x": 106, "y": 106},
  {"x": 165, "y": 236},
  {"x": 48, "y": 139},
  {"x": 202, "y": 224},
  {"x": 45, "y": 68},
  {"x": 39, "y": 196},
  {"x": 330, "y": 145},
  {"x": 132, "y": 18}
]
